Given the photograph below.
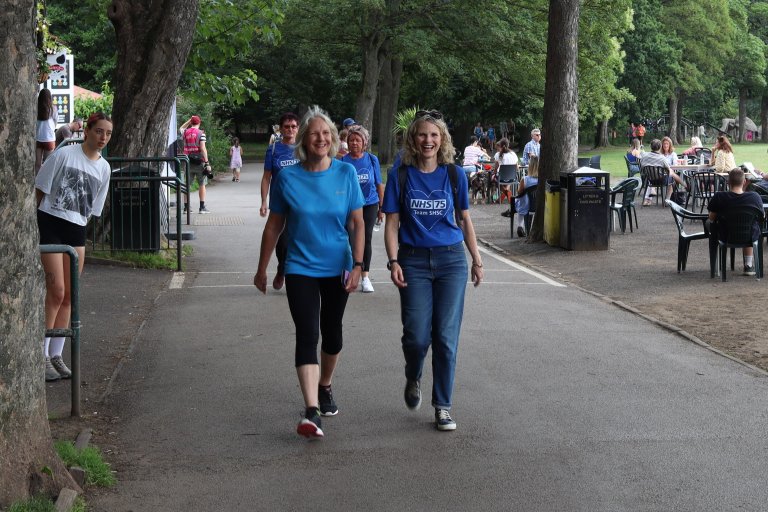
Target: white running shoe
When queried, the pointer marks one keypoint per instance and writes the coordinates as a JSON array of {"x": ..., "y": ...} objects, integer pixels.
[{"x": 366, "y": 285}]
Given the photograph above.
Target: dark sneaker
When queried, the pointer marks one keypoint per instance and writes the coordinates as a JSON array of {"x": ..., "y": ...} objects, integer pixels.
[
  {"x": 412, "y": 394},
  {"x": 327, "y": 404},
  {"x": 520, "y": 232},
  {"x": 443, "y": 420},
  {"x": 50, "y": 372},
  {"x": 749, "y": 270},
  {"x": 58, "y": 364},
  {"x": 309, "y": 426},
  {"x": 506, "y": 213},
  {"x": 204, "y": 210}
]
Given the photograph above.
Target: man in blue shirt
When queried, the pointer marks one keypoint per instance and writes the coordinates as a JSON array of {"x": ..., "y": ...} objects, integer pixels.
[
  {"x": 279, "y": 155},
  {"x": 533, "y": 148}
]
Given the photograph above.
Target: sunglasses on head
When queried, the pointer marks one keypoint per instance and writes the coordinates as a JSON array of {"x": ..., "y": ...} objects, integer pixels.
[{"x": 434, "y": 114}]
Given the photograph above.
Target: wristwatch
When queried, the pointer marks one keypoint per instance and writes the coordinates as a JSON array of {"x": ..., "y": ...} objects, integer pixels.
[
  {"x": 389, "y": 264},
  {"x": 357, "y": 264}
]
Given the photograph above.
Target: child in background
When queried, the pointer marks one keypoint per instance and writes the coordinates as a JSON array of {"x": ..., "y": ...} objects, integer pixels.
[{"x": 236, "y": 159}]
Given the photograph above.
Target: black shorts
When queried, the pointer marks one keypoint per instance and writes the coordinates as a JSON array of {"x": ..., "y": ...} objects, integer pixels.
[{"x": 54, "y": 230}]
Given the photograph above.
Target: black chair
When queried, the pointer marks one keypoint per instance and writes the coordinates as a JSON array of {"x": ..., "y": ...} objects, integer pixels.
[
  {"x": 594, "y": 161},
  {"x": 508, "y": 176},
  {"x": 627, "y": 188},
  {"x": 528, "y": 219},
  {"x": 704, "y": 153},
  {"x": 702, "y": 186},
  {"x": 738, "y": 224},
  {"x": 582, "y": 161},
  {"x": 632, "y": 167},
  {"x": 654, "y": 177},
  {"x": 684, "y": 239}
]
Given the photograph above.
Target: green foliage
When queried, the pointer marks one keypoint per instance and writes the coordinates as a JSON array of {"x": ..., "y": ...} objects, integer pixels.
[
  {"x": 36, "y": 504},
  {"x": 89, "y": 458},
  {"x": 84, "y": 107}
]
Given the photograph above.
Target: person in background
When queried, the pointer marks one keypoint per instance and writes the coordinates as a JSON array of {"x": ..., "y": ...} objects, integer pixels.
[
  {"x": 533, "y": 147},
  {"x": 236, "y": 159},
  {"x": 640, "y": 132},
  {"x": 478, "y": 131},
  {"x": 491, "y": 137},
  {"x": 695, "y": 145},
  {"x": 347, "y": 123},
  {"x": 522, "y": 203},
  {"x": 656, "y": 159},
  {"x": 722, "y": 154},
  {"x": 369, "y": 176},
  {"x": 194, "y": 148},
  {"x": 472, "y": 155},
  {"x": 343, "y": 145},
  {"x": 668, "y": 151},
  {"x": 279, "y": 156},
  {"x": 504, "y": 156},
  {"x": 45, "y": 129},
  {"x": 735, "y": 197},
  {"x": 633, "y": 156},
  {"x": 425, "y": 242},
  {"x": 320, "y": 270},
  {"x": 71, "y": 186},
  {"x": 66, "y": 131},
  {"x": 631, "y": 133},
  {"x": 276, "y": 135}
]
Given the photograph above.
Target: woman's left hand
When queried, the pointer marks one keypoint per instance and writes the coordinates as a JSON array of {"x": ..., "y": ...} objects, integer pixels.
[
  {"x": 354, "y": 280},
  {"x": 477, "y": 275}
]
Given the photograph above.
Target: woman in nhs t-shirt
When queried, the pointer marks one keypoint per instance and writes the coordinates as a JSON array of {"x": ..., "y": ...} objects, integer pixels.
[
  {"x": 314, "y": 201},
  {"x": 425, "y": 247}
]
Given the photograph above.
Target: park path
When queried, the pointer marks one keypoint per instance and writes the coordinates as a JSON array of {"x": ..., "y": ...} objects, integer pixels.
[{"x": 563, "y": 402}]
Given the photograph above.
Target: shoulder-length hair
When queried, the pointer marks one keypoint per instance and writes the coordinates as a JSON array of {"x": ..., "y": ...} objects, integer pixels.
[
  {"x": 503, "y": 145},
  {"x": 724, "y": 144},
  {"x": 44, "y": 105},
  {"x": 671, "y": 146},
  {"x": 635, "y": 144},
  {"x": 445, "y": 154},
  {"x": 315, "y": 112},
  {"x": 533, "y": 167}
]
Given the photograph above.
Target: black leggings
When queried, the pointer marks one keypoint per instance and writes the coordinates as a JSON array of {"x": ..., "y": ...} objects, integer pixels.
[
  {"x": 316, "y": 302},
  {"x": 281, "y": 250},
  {"x": 370, "y": 213}
]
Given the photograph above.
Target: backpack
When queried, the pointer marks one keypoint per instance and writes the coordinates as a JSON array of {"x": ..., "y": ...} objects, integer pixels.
[
  {"x": 192, "y": 145},
  {"x": 453, "y": 176}
]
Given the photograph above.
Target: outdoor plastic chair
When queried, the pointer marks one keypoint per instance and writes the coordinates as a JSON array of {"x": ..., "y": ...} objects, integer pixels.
[
  {"x": 528, "y": 219},
  {"x": 582, "y": 161},
  {"x": 738, "y": 224},
  {"x": 704, "y": 153},
  {"x": 684, "y": 239},
  {"x": 632, "y": 167},
  {"x": 654, "y": 177},
  {"x": 626, "y": 208},
  {"x": 508, "y": 176},
  {"x": 702, "y": 186},
  {"x": 594, "y": 161}
]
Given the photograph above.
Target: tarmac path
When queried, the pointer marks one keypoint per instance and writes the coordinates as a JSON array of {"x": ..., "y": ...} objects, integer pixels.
[{"x": 563, "y": 402}]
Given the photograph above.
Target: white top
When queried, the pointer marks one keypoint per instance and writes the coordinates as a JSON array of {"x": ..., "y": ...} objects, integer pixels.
[
  {"x": 46, "y": 130},
  {"x": 472, "y": 154},
  {"x": 510, "y": 158},
  {"x": 75, "y": 187}
]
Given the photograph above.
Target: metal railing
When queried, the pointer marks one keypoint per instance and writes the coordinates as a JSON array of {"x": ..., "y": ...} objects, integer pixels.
[
  {"x": 137, "y": 214},
  {"x": 74, "y": 319}
]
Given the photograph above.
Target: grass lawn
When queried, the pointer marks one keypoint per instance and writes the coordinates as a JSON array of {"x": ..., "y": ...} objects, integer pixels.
[
  {"x": 612, "y": 159},
  {"x": 254, "y": 151}
]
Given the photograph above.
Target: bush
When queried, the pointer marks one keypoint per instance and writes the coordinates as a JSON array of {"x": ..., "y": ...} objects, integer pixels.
[{"x": 84, "y": 107}]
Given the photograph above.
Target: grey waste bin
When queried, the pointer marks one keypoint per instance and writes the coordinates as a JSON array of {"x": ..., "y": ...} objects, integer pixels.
[
  {"x": 135, "y": 207},
  {"x": 584, "y": 211}
]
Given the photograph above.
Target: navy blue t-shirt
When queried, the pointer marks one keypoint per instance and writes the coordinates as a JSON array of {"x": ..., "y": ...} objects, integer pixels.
[
  {"x": 721, "y": 202},
  {"x": 278, "y": 156},
  {"x": 368, "y": 174},
  {"x": 428, "y": 219}
]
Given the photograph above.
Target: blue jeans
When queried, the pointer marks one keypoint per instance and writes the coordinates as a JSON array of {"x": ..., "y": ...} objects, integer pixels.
[{"x": 431, "y": 307}]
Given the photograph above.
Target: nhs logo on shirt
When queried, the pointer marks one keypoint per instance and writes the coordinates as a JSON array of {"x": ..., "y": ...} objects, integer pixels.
[
  {"x": 364, "y": 177},
  {"x": 287, "y": 162},
  {"x": 428, "y": 209}
]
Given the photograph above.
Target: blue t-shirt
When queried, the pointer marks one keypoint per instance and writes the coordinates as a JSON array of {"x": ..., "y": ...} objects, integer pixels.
[
  {"x": 278, "y": 157},
  {"x": 368, "y": 174},
  {"x": 428, "y": 219},
  {"x": 316, "y": 206}
]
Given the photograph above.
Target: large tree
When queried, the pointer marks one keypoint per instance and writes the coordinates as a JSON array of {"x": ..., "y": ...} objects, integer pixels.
[
  {"x": 28, "y": 463},
  {"x": 560, "y": 131}
]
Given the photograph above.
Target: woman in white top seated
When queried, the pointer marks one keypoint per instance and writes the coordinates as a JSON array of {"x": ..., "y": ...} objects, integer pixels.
[{"x": 504, "y": 156}]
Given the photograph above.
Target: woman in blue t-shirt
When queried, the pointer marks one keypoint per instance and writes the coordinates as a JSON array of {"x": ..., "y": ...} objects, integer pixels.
[
  {"x": 369, "y": 175},
  {"x": 313, "y": 201},
  {"x": 425, "y": 247}
]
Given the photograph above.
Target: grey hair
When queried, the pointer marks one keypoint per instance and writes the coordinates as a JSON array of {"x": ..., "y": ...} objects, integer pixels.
[
  {"x": 360, "y": 131},
  {"x": 315, "y": 112}
]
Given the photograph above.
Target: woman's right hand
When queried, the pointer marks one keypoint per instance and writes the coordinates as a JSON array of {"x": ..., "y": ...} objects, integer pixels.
[{"x": 260, "y": 281}]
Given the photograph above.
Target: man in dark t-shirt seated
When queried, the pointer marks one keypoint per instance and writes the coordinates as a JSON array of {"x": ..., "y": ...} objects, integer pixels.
[{"x": 736, "y": 197}]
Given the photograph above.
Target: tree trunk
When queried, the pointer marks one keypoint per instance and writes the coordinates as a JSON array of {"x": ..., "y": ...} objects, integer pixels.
[
  {"x": 680, "y": 102},
  {"x": 603, "y": 138},
  {"x": 389, "y": 92},
  {"x": 372, "y": 62},
  {"x": 560, "y": 131},
  {"x": 153, "y": 42},
  {"x": 742, "y": 114},
  {"x": 764, "y": 119},
  {"x": 28, "y": 463},
  {"x": 672, "y": 132}
]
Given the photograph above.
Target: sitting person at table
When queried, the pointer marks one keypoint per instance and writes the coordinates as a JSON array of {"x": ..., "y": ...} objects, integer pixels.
[
  {"x": 722, "y": 154},
  {"x": 695, "y": 145},
  {"x": 472, "y": 155},
  {"x": 668, "y": 150},
  {"x": 633, "y": 156},
  {"x": 656, "y": 159},
  {"x": 504, "y": 156},
  {"x": 722, "y": 202},
  {"x": 522, "y": 204}
]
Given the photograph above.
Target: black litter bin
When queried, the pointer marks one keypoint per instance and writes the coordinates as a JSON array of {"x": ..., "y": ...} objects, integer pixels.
[
  {"x": 584, "y": 210},
  {"x": 135, "y": 208}
]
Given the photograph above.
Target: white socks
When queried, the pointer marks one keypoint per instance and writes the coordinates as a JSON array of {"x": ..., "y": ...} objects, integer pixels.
[
  {"x": 56, "y": 347},
  {"x": 749, "y": 261},
  {"x": 46, "y": 343}
]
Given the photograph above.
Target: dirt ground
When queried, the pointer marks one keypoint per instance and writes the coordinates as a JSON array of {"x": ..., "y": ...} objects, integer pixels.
[{"x": 640, "y": 270}]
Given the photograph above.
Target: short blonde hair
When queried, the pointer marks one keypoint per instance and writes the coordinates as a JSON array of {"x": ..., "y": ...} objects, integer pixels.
[
  {"x": 445, "y": 154},
  {"x": 313, "y": 113}
]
